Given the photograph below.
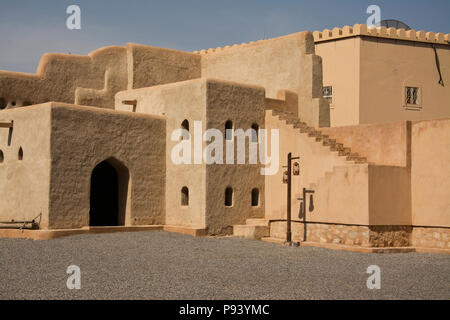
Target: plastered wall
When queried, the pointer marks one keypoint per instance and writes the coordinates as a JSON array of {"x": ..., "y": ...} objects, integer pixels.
[
  {"x": 25, "y": 184},
  {"x": 211, "y": 103},
  {"x": 430, "y": 173},
  {"x": 150, "y": 66},
  {"x": 315, "y": 161},
  {"x": 285, "y": 63},
  {"x": 244, "y": 106},
  {"x": 61, "y": 77},
  {"x": 388, "y": 66},
  {"x": 384, "y": 144},
  {"x": 369, "y": 69},
  {"x": 341, "y": 70},
  {"x": 94, "y": 79},
  {"x": 81, "y": 138},
  {"x": 179, "y": 102}
]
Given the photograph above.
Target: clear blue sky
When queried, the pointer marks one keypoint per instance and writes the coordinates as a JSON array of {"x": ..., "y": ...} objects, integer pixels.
[{"x": 29, "y": 28}]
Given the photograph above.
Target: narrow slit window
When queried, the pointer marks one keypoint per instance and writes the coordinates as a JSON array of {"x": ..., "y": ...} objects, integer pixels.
[
  {"x": 20, "y": 155},
  {"x": 229, "y": 130},
  {"x": 229, "y": 197},
  {"x": 185, "y": 126},
  {"x": 255, "y": 197},
  {"x": 185, "y": 196},
  {"x": 3, "y": 103},
  {"x": 255, "y": 132}
]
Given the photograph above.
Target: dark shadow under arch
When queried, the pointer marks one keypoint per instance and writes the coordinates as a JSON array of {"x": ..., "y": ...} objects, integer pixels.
[{"x": 108, "y": 194}]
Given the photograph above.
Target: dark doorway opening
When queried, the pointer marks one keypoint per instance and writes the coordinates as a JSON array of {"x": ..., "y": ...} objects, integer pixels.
[{"x": 104, "y": 196}]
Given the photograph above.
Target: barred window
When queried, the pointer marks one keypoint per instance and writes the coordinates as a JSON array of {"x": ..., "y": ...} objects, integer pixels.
[
  {"x": 327, "y": 93},
  {"x": 412, "y": 96}
]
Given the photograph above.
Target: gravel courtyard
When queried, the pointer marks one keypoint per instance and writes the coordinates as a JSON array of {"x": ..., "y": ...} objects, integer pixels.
[{"x": 162, "y": 265}]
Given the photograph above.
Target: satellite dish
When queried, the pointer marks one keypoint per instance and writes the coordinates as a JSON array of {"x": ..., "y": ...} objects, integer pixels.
[{"x": 392, "y": 23}]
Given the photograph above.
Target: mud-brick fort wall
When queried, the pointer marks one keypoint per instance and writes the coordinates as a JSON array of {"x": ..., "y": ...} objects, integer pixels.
[
  {"x": 211, "y": 104},
  {"x": 94, "y": 79},
  {"x": 53, "y": 150},
  {"x": 25, "y": 164}
]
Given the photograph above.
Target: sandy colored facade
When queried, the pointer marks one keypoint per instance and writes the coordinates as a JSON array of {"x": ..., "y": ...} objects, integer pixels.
[
  {"x": 61, "y": 146},
  {"x": 370, "y": 69},
  {"x": 95, "y": 140}
]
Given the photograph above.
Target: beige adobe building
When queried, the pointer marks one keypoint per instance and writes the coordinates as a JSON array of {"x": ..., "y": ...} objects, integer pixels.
[
  {"x": 86, "y": 143},
  {"x": 367, "y": 73}
]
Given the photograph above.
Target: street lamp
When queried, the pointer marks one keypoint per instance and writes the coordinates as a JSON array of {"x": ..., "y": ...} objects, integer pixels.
[{"x": 289, "y": 191}]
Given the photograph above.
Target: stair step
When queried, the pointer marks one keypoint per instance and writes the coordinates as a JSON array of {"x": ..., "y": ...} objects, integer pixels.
[
  {"x": 314, "y": 133},
  {"x": 347, "y": 150},
  {"x": 251, "y": 232},
  {"x": 285, "y": 117},
  {"x": 304, "y": 130},
  {"x": 337, "y": 147},
  {"x": 353, "y": 157},
  {"x": 329, "y": 142},
  {"x": 293, "y": 121},
  {"x": 280, "y": 112},
  {"x": 258, "y": 222}
]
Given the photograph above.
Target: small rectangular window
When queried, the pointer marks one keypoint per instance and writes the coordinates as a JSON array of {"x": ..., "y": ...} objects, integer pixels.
[
  {"x": 412, "y": 97},
  {"x": 327, "y": 93}
]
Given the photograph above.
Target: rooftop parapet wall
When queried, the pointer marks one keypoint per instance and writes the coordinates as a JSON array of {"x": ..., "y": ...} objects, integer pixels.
[
  {"x": 95, "y": 79},
  {"x": 62, "y": 77},
  {"x": 381, "y": 32},
  {"x": 234, "y": 46},
  {"x": 150, "y": 66},
  {"x": 284, "y": 63}
]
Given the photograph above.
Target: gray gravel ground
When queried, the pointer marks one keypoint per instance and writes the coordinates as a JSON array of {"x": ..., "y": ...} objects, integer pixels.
[{"x": 162, "y": 265}]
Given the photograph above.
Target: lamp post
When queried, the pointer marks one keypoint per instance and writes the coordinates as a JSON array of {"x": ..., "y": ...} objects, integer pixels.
[
  {"x": 289, "y": 193},
  {"x": 303, "y": 208}
]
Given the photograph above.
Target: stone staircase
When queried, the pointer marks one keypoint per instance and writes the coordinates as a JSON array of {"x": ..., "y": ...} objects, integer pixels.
[
  {"x": 260, "y": 228},
  {"x": 253, "y": 229},
  {"x": 343, "y": 151}
]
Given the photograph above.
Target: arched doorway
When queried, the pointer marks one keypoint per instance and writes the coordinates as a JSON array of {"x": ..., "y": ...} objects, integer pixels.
[{"x": 109, "y": 189}]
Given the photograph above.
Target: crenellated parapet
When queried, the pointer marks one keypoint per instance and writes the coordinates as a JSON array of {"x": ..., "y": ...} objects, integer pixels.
[
  {"x": 303, "y": 36},
  {"x": 381, "y": 32},
  {"x": 234, "y": 46}
]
